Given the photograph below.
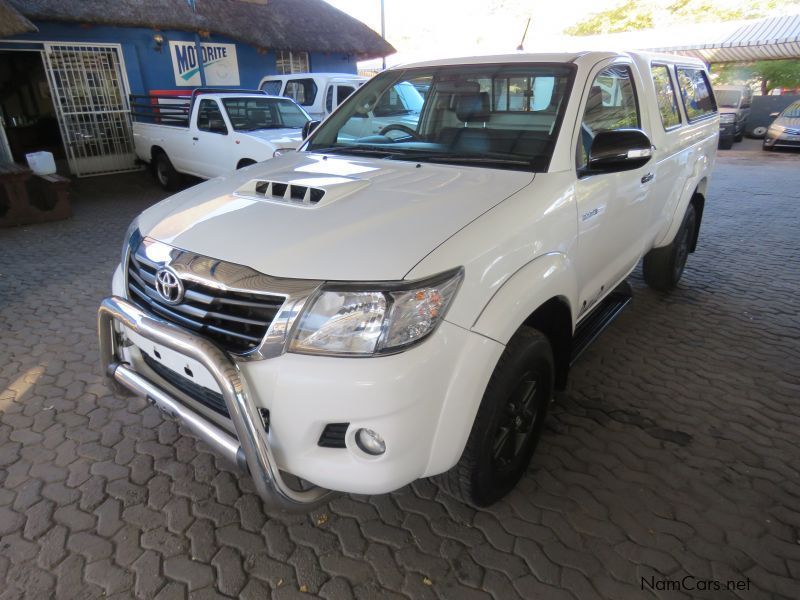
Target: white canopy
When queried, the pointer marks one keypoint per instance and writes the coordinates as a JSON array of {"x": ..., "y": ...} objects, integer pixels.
[
  {"x": 729, "y": 41},
  {"x": 761, "y": 39}
]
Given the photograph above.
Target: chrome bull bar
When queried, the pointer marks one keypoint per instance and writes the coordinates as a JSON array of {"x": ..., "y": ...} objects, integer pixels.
[{"x": 251, "y": 450}]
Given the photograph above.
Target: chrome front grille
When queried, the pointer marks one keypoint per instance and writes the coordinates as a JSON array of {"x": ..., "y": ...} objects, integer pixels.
[{"x": 236, "y": 321}]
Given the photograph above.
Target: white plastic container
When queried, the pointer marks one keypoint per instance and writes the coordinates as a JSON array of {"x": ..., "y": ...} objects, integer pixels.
[{"x": 41, "y": 163}]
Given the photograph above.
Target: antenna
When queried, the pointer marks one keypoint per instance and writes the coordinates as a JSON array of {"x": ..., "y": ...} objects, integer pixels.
[{"x": 521, "y": 47}]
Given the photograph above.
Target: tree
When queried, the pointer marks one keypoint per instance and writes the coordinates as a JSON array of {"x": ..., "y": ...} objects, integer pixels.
[
  {"x": 628, "y": 16},
  {"x": 767, "y": 74},
  {"x": 631, "y": 15},
  {"x": 778, "y": 73}
]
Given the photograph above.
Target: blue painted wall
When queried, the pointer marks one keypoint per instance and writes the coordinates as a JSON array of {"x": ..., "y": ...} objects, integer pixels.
[{"x": 151, "y": 69}]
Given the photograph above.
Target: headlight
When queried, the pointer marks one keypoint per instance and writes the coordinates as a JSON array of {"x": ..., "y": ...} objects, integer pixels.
[
  {"x": 126, "y": 240},
  {"x": 775, "y": 130},
  {"x": 727, "y": 118},
  {"x": 366, "y": 320}
]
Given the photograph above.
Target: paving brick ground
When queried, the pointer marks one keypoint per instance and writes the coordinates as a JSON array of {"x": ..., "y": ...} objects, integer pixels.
[{"x": 674, "y": 451}]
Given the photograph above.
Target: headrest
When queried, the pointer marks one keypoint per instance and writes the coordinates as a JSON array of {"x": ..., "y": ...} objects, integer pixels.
[
  {"x": 258, "y": 114},
  {"x": 472, "y": 107}
]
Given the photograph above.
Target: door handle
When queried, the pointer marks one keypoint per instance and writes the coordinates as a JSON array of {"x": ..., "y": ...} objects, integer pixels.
[
  {"x": 196, "y": 139},
  {"x": 648, "y": 177}
]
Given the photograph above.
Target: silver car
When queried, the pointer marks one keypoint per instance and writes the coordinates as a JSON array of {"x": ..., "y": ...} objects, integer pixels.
[{"x": 784, "y": 132}]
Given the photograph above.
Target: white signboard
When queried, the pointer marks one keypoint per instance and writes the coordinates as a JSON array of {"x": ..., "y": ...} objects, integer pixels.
[{"x": 219, "y": 63}]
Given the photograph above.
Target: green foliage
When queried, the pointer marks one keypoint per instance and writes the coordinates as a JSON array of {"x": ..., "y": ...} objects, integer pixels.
[
  {"x": 631, "y": 15},
  {"x": 627, "y": 16},
  {"x": 767, "y": 74}
]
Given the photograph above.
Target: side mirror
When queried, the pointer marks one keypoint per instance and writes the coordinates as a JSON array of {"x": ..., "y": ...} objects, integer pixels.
[
  {"x": 774, "y": 115},
  {"x": 309, "y": 127},
  {"x": 618, "y": 150}
]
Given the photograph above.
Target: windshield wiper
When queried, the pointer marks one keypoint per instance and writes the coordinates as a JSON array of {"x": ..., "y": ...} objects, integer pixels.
[
  {"x": 361, "y": 150},
  {"x": 452, "y": 157}
]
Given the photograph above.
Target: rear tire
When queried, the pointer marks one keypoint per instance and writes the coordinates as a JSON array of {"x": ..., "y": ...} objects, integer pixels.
[
  {"x": 663, "y": 267},
  {"x": 509, "y": 422},
  {"x": 726, "y": 143},
  {"x": 166, "y": 175}
]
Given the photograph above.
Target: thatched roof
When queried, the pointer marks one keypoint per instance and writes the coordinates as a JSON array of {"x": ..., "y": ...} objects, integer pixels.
[
  {"x": 12, "y": 22},
  {"x": 311, "y": 25}
]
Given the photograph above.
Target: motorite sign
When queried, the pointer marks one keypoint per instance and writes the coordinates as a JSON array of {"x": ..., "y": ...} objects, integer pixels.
[{"x": 219, "y": 63}]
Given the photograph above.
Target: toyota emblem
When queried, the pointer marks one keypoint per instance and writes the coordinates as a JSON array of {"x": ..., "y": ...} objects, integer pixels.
[{"x": 169, "y": 286}]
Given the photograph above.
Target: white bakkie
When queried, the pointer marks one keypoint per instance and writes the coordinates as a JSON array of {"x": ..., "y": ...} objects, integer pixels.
[
  {"x": 371, "y": 310},
  {"x": 212, "y": 132}
]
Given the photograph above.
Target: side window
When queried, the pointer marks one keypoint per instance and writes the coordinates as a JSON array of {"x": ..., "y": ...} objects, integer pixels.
[
  {"x": 747, "y": 99},
  {"x": 390, "y": 103},
  {"x": 273, "y": 88},
  {"x": 611, "y": 105},
  {"x": 302, "y": 91},
  {"x": 665, "y": 96},
  {"x": 696, "y": 94},
  {"x": 522, "y": 94},
  {"x": 329, "y": 99},
  {"x": 209, "y": 117},
  {"x": 342, "y": 92}
]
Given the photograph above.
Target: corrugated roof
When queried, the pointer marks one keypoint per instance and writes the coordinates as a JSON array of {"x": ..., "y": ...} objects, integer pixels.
[
  {"x": 762, "y": 39},
  {"x": 312, "y": 25}
]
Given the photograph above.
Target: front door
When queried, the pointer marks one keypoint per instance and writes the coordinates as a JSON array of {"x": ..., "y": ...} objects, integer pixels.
[
  {"x": 613, "y": 207},
  {"x": 90, "y": 95},
  {"x": 208, "y": 156}
]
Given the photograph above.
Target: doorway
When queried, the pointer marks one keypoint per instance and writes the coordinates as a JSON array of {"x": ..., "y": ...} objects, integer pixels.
[
  {"x": 70, "y": 99},
  {"x": 27, "y": 115}
]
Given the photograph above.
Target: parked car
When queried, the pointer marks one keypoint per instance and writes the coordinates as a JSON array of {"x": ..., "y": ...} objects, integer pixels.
[
  {"x": 734, "y": 103},
  {"x": 212, "y": 132},
  {"x": 784, "y": 132},
  {"x": 318, "y": 93},
  {"x": 368, "y": 311}
]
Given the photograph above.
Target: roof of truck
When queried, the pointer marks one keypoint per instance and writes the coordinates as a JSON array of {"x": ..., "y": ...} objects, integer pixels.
[
  {"x": 315, "y": 74},
  {"x": 552, "y": 57}
]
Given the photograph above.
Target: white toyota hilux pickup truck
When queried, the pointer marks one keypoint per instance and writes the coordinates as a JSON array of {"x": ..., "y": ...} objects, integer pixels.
[
  {"x": 212, "y": 131},
  {"x": 368, "y": 311}
]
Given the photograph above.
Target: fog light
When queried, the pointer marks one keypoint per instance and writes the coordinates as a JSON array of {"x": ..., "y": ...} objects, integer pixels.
[{"x": 370, "y": 442}]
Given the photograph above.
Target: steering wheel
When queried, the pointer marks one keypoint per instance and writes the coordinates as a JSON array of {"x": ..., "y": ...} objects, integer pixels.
[{"x": 400, "y": 127}]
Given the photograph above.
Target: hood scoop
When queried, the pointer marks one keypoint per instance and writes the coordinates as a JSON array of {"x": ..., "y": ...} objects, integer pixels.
[{"x": 292, "y": 193}]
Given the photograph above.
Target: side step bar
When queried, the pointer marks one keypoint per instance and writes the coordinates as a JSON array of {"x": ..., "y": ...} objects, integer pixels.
[{"x": 600, "y": 317}]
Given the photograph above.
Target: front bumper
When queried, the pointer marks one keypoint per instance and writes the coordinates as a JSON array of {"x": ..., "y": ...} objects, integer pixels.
[
  {"x": 781, "y": 141},
  {"x": 727, "y": 129},
  {"x": 251, "y": 449},
  {"x": 422, "y": 402}
]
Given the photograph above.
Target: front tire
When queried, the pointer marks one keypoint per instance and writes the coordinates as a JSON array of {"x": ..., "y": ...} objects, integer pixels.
[
  {"x": 509, "y": 422},
  {"x": 166, "y": 175},
  {"x": 663, "y": 267}
]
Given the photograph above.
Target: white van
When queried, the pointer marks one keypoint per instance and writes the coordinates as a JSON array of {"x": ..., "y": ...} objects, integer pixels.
[
  {"x": 317, "y": 93},
  {"x": 368, "y": 311}
]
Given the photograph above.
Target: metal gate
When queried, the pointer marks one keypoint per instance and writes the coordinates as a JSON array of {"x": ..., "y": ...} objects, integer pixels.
[{"x": 90, "y": 95}]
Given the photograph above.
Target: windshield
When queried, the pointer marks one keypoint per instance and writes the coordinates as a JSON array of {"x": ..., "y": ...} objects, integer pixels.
[
  {"x": 251, "y": 113},
  {"x": 499, "y": 116},
  {"x": 728, "y": 98},
  {"x": 792, "y": 111}
]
